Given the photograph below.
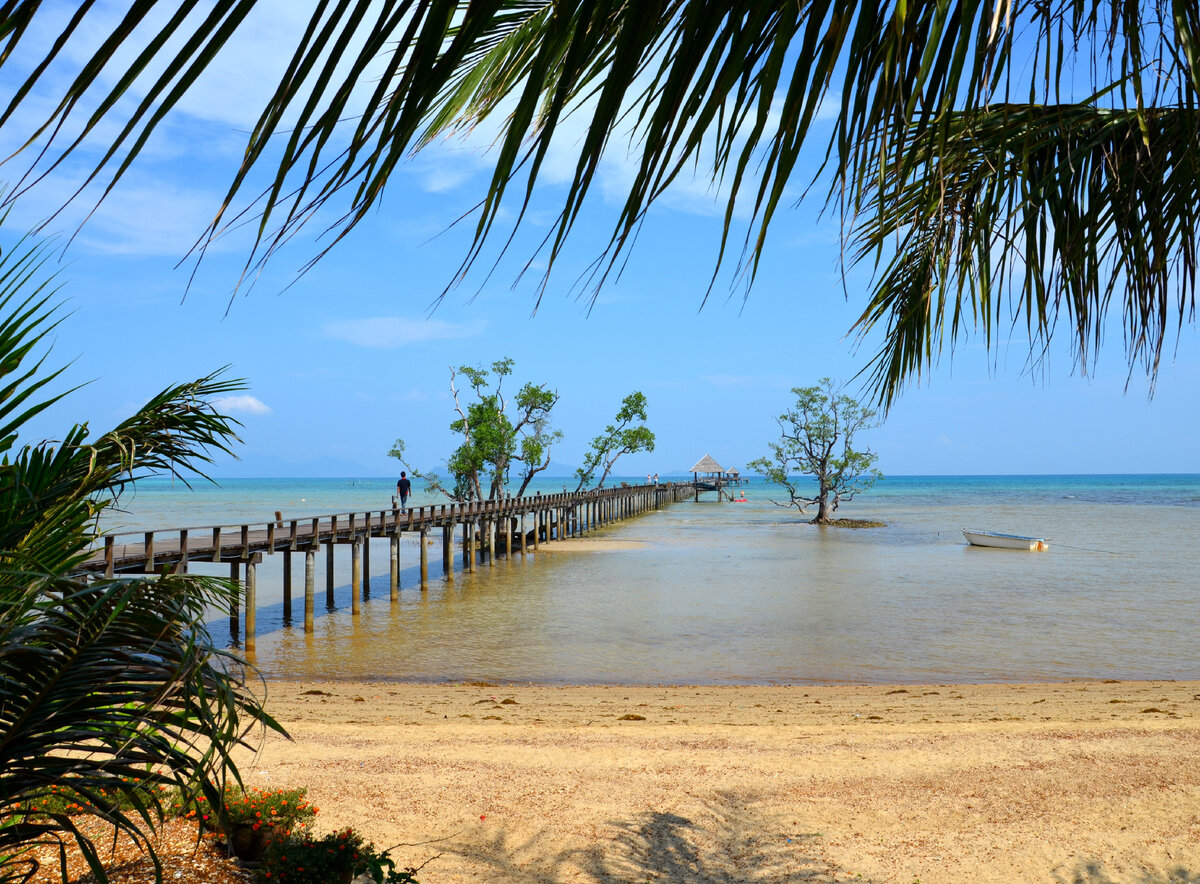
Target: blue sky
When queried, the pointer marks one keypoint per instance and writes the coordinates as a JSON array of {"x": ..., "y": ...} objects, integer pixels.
[{"x": 348, "y": 357}]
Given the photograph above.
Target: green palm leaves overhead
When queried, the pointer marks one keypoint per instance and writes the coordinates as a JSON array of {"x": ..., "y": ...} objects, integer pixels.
[
  {"x": 1016, "y": 161},
  {"x": 109, "y": 689}
]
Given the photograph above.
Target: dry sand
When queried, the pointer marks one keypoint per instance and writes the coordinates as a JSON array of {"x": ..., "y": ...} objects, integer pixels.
[{"x": 1075, "y": 782}]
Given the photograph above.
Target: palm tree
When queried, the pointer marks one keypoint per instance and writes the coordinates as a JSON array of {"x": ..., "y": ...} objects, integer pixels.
[
  {"x": 1019, "y": 161},
  {"x": 109, "y": 689}
]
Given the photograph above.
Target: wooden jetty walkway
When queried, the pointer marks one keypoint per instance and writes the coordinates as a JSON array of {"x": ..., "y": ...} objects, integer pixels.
[{"x": 488, "y": 527}]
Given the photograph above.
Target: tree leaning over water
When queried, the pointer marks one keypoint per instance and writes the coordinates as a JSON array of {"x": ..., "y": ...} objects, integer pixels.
[
  {"x": 110, "y": 689},
  {"x": 816, "y": 436},
  {"x": 1018, "y": 162}
]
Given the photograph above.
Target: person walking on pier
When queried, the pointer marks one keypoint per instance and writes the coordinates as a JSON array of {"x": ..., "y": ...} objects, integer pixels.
[{"x": 403, "y": 489}]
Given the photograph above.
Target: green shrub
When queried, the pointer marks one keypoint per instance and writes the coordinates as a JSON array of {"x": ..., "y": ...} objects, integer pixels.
[{"x": 300, "y": 858}]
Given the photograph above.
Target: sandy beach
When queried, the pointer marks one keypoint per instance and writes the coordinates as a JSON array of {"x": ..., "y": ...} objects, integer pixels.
[{"x": 1070, "y": 782}]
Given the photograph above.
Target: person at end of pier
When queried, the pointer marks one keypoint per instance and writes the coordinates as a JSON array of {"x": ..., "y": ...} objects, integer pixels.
[
  {"x": 403, "y": 489},
  {"x": 656, "y": 478},
  {"x": 647, "y": 478}
]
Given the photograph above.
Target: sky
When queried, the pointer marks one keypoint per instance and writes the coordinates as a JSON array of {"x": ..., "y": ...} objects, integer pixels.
[{"x": 355, "y": 353}]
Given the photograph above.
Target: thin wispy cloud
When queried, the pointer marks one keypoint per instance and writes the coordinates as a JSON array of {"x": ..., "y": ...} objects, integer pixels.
[
  {"x": 241, "y": 404},
  {"x": 729, "y": 380},
  {"x": 390, "y": 332}
]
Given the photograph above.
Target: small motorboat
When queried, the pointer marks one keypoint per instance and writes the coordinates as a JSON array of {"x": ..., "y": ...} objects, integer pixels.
[{"x": 1004, "y": 541}]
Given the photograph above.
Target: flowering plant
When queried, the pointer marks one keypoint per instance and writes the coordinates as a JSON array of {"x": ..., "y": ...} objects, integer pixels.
[
  {"x": 300, "y": 858},
  {"x": 277, "y": 811}
]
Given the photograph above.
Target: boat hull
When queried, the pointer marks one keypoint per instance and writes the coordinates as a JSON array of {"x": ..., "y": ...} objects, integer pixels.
[{"x": 1004, "y": 541}]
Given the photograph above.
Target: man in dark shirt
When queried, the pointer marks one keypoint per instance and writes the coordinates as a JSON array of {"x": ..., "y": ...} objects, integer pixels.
[{"x": 403, "y": 489}]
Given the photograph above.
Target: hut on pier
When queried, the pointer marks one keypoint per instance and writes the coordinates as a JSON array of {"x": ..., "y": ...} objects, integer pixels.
[{"x": 708, "y": 475}]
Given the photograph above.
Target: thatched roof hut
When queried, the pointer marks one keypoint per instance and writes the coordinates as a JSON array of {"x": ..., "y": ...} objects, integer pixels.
[{"x": 708, "y": 466}]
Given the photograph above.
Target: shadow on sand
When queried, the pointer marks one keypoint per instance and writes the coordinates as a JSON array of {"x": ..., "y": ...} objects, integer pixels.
[
  {"x": 1095, "y": 873},
  {"x": 730, "y": 846}
]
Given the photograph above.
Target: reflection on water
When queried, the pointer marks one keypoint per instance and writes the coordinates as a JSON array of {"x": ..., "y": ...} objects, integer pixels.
[{"x": 752, "y": 594}]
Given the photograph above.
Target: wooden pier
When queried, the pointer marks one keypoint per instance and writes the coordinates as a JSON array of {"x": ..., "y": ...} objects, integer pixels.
[{"x": 488, "y": 528}]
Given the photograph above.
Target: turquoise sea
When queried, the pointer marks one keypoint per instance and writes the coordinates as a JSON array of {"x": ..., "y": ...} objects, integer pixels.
[{"x": 721, "y": 593}]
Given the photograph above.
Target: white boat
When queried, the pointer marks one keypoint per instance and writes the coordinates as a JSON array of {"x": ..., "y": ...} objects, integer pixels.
[{"x": 1004, "y": 541}]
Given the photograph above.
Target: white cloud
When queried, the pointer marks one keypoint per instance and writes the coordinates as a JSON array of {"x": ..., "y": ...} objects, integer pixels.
[
  {"x": 390, "y": 332},
  {"x": 244, "y": 404}
]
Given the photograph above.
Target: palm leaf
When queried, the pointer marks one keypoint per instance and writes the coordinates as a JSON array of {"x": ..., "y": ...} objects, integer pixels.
[
  {"x": 108, "y": 688},
  {"x": 732, "y": 93}
]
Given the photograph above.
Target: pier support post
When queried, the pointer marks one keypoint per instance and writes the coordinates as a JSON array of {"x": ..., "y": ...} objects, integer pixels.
[
  {"x": 233, "y": 601},
  {"x": 472, "y": 545},
  {"x": 355, "y": 575},
  {"x": 424, "y": 558},
  {"x": 287, "y": 586},
  {"x": 394, "y": 577},
  {"x": 522, "y": 541},
  {"x": 252, "y": 598},
  {"x": 310, "y": 575},
  {"x": 366, "y": 561},
  {"x": 448, "y": 551},
  {"x": 329, "y": 570},
  {"x": 181, "y": 567}
]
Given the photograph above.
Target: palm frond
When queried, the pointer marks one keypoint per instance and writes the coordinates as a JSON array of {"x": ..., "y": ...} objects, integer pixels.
[
  {"x": 109, "y": 688},
  {"x": 731, "y": 93},
  {"x": 1040, "y": 216}
]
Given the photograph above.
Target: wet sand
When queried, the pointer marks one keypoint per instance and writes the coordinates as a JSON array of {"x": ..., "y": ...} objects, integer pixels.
[{"x": 1095, "y": 783}]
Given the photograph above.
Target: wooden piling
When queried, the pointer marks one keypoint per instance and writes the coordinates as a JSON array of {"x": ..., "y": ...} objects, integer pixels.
[
  {"x": 394, "y": 579},
  {"x": 366, "y": 561},
  {"x": 424, "y": 559},
  {"x": 310, "y": 573},
  {"x": 448, "y": 551},
  {"x": 355, "y": 575},
  {"x": 329, "y": 578},
  {"x": 287, "y": 585},
  {"x": 181, "y": 567},
  {"x": 252, "y": 598},
  {"x": 233, "y": 598}
]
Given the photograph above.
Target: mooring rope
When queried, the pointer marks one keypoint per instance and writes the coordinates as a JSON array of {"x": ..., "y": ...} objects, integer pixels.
[{"x": 1090, "y": 549}]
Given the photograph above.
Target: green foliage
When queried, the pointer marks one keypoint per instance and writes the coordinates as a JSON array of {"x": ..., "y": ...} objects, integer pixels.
[
  {"x": 64, "y": 800},
  {"x": 626, "y": 435},
  {"x": 303, "y": 859},
  {"x": 816, "y": 438},
  {"x": 994, "y": 162},
  {"x": 121, "y": 668},
  {"x": 494, "y": 437}
]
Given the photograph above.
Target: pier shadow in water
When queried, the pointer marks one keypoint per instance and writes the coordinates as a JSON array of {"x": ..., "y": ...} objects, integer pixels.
[{"x": 273, "y": 618}]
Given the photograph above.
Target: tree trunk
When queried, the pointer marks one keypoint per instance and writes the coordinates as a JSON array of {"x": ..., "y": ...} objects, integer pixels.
[{"x": 824, "y": 510}]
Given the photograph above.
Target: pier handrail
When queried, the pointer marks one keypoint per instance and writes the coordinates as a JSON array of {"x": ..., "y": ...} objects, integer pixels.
[
  {"x": 239, "y": 540},
  {"x": 489, "y": 506}
]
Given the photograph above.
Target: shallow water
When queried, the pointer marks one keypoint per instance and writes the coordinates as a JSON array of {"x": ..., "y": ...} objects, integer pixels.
[{"x": 751, "y": 594}]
